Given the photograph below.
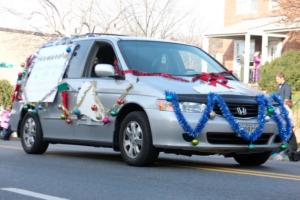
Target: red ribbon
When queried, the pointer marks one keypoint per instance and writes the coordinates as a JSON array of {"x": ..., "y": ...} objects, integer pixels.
[
  {"x": 138, "y": 73},
  {"x": 213, "y": 78}
]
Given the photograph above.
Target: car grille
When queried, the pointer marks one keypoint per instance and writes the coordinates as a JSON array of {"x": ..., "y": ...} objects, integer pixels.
[
  {"x": 277, "y": 139},
  {"x": 233, "y": 102},
  {"x": 231, "y": 138},
  {"x": 252, "y": 109}
]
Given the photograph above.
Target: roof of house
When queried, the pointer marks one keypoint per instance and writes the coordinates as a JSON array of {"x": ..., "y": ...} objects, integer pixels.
[
  {"x": 3, "y": 29},
  {"x": 256, "y": 27}
]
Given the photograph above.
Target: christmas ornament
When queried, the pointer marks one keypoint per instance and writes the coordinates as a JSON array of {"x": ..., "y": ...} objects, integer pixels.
[
  {"x": 40, "y": 107},
  {"x": 68, "y": 50},
  {"x": 94, "y": 107},
  {"x": 105, "y": 120},
  {"x": 212, "y": 115},
  {"x": 25, "y": 107},
  {"x": 267, "y": 118},
  {"x": 270, "y": 110},
  {"x": 69, "y": 121},
  {"x": 195, "y": 142},
  {"x": 62, "y": 117},
  {"x": 76, "y": 112},
  {"x": 120, "y": 101},
  {"x": 33, "y": 110},
  {"x": 251, "y": 146},
  {"x": 169, "y": 98},
  {"x": 283, "y": 146},
  {"x": 114, "y": 113}
]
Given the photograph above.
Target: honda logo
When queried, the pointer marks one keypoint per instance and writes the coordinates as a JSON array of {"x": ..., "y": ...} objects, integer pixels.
[{"x": 241, "y": 111}]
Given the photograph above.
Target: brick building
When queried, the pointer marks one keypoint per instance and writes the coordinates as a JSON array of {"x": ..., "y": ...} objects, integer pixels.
[
  {"x": 16, "y": 46},
  {"x": 250, "y": 26}
]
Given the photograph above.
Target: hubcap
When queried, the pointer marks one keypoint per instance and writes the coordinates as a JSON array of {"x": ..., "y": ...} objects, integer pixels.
[
  {"x": 133, "y": 139},
  {"x": 29, "y": 132}
]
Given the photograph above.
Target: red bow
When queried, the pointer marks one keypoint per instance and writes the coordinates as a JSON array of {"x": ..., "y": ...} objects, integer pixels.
[{"x": 213, "y": 78}]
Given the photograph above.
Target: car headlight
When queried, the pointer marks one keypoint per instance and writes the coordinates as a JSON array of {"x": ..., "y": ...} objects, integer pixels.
[{"x": 190, "y": 107}]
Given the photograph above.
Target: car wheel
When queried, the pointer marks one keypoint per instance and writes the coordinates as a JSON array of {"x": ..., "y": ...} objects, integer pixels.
[
  {"x": 253, "y": 159},
  {"x": 135, "y": 140},
  {"x": 31, "y": 135}
]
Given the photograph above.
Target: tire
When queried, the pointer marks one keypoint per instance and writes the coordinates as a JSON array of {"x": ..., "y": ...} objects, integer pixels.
[
  {"x": 32, "y": 135},
  {"x": 253, "y": 159},
  {"x": 135, "y": 140}
]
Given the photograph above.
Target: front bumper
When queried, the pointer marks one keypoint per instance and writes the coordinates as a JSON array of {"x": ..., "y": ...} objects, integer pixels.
[{"x": 217, "y": 137}]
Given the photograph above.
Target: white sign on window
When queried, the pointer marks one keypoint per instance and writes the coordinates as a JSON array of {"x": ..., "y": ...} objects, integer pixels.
[{"x": 47, "y": 72}]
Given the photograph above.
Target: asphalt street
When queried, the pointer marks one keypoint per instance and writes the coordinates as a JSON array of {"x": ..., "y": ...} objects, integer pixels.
[{"x": 83, "y": 173}]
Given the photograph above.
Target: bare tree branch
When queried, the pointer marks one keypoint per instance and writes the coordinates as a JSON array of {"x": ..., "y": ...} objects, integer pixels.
[{"x": 290, "y": 9}]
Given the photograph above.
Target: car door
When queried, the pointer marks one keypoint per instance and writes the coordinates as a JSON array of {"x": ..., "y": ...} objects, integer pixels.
[{"x": 107, "y": 89}]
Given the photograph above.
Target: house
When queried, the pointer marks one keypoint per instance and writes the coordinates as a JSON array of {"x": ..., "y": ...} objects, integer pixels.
[
  {"x": 250, "y": 26},
  {"x": 16, "y": 46}
]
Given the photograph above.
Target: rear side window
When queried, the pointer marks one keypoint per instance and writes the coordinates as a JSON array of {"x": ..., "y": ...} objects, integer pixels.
[{"x": 78, "y": 61}]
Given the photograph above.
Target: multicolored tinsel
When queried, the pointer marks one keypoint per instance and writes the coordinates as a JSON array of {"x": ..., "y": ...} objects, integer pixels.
[
  {"x": 284, "y": 132},
  {"x": 215, "y": 99}
]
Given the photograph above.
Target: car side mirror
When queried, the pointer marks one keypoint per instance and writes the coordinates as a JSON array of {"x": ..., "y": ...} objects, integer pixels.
[{"x": 104, "y": 70}]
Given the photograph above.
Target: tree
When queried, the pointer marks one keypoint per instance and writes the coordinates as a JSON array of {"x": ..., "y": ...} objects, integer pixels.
[
  {"x": 6, "y": 91},
  {"x": 66, "y": 18},
  {"x": 290, "y": 9},
  {"x": 150, "y": 18}
]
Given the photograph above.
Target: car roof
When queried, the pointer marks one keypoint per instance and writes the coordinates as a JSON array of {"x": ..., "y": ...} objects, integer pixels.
[{"x": 111, "y": 37}]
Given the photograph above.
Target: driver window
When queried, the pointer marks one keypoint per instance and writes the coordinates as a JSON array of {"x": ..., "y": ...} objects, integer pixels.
[{"x": 104, "y": 55}]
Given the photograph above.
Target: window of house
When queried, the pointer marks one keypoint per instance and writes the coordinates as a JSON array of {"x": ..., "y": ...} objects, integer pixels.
[
  {"x": 246, "y": 6},
  {"x": 273, "y": 5}
]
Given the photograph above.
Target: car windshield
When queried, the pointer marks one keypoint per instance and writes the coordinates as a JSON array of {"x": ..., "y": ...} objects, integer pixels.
[{"x": 165, "y": 57}]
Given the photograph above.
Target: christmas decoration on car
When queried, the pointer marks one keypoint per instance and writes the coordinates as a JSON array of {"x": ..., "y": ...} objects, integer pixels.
[
  {"x": 89, "y": 104},
  {"x": 211, "y": 78},
  {"x": 265, "y": 107}
]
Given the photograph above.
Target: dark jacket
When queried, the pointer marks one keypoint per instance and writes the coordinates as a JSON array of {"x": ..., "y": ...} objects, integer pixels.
[{"x": 284, "y": 91}]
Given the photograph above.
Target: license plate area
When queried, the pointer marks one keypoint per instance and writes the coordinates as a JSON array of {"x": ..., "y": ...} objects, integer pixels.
[{"x": 249, "y": 127}]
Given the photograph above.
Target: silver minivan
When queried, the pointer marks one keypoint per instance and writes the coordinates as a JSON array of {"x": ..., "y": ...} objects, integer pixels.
[{"x": 141, "y": 97}]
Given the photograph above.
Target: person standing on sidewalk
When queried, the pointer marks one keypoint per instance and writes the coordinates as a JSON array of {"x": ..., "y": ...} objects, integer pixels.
[
  {"x": 285, "y": 92},
  {"x": 257, "y": 64},
  {"x": 4, "y": 123}
]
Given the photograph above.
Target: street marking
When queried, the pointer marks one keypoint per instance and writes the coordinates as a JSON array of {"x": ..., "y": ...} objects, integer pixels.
[
  {"x": 10, "y": 147},
  {"x": 245, "y": 172},
  {"x": 32, "y": 194}
]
